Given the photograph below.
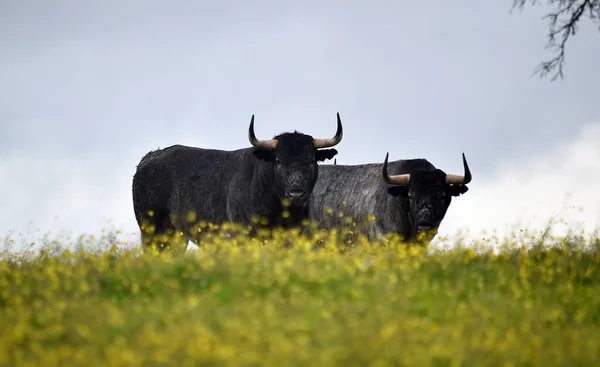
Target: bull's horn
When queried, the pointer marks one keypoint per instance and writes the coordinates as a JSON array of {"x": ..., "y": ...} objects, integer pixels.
[
  {"x": 263, "y": 144},
  {"x": 460, "y": 180},
  {"x": 325, "y": 143},
  {"x": 394, "y": 180}
]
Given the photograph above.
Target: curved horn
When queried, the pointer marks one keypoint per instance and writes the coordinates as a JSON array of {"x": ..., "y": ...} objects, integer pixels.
[
  {"x": 263, "y": 144},
  {"x": 460, "y": 180},
  {"x": 326, "y": 143},
  {"x": 394, "y": 180}
]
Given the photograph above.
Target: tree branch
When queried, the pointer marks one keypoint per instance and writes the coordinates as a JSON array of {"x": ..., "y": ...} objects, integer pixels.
[{"x": 562, "y": 25}]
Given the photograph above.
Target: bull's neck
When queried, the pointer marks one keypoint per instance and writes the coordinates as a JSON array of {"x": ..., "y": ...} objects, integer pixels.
[
  {"x": 263, "y": 181},
  {"x": 396, "y": 215}
]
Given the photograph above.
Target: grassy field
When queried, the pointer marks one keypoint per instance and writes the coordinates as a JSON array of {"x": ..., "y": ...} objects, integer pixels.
[{"x": 245, "y": 302}]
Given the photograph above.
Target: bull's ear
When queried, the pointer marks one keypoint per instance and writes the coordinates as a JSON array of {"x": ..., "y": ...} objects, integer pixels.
[
  {"x": 324, "y": 154},
  {"x": 456, "y": 190},
  {"x": 398, "y": 190},
  {"x": 264, "y": 155}
]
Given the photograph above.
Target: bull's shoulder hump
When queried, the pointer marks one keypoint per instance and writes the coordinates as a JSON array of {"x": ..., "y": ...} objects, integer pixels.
[
  {"x": 408, "y": 165},
  {"x": 181, "y": 147},
  {"x": 359, "y": 172},
  {"x": 173, "y": 152},
  {"x": 374, "y": 168}
]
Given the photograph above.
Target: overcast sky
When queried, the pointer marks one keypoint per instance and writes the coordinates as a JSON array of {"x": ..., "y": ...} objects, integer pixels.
[{"x": 87, "y": 88}]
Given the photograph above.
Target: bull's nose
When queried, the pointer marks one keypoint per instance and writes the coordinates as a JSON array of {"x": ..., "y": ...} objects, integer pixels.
[
  {"x": 424, "y": 226},
  {"x": 295, "y": 193}
]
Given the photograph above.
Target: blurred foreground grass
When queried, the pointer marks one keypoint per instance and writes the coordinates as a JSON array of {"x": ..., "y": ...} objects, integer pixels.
[{"x": 245, "y": 302}]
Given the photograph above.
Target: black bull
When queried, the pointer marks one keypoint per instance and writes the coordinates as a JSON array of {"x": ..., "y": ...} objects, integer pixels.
[
  {"x": 411, "y": 203},
  {"x": 176, "y": 188}
]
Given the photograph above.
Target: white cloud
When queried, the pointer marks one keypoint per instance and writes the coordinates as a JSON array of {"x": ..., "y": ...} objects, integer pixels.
[
  {"x": 527, "y": 193},
  {"x": 48, "y": 195}
]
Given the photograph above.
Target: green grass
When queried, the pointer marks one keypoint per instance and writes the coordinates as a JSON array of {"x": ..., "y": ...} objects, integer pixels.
[{"x": 261, "y": 304}]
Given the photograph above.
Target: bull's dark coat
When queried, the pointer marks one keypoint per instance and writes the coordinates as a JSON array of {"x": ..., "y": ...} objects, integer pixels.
[
  {"x": 359, "y": 191},
  {"x": 225, "y": 186}
]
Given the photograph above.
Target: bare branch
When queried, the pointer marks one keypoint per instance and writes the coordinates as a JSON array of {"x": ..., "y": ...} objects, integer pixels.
[{"x": 562, "y": 25}]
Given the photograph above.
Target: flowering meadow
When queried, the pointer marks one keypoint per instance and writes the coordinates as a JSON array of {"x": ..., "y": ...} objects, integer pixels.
[{"x": 284, "y": 301}]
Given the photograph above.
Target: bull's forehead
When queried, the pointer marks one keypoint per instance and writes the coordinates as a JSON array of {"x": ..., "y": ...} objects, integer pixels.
[
  {"x": 295, "y": 146},
  {"x": 421, "y": 180}
]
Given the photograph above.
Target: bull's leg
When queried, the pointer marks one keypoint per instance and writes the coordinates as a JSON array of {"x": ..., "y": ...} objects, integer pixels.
[
  {"x": 159, "y": 235},
  {"x": 178, "y": 242},
  {"x": 150, "y": 244},
  {"x": 170, "y": 240}
]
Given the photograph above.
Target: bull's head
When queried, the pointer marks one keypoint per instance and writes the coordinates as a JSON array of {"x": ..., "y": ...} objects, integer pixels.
[
  {"x": 429, "y": 193},
  {"x": 295, "y": 158}
]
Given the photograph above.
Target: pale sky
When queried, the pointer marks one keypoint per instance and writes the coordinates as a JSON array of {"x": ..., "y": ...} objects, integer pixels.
[{"x": 87, "y": 88}]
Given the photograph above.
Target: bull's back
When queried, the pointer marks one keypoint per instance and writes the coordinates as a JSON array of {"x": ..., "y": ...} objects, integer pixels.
[
  {"x": 344, "y": 191},
  {"x": 184, "y": 180}
]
